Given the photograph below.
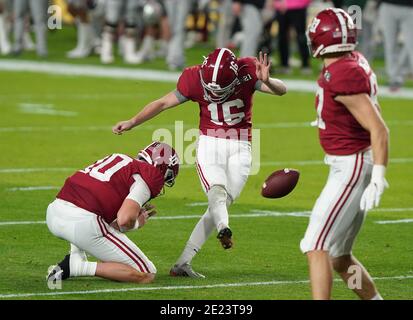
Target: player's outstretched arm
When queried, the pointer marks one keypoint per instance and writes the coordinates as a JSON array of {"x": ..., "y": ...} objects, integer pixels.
[
  {"x": 362, "y": 108},
  {"x": 148, "y": 112},
  {"x": 268, "y": 84}
]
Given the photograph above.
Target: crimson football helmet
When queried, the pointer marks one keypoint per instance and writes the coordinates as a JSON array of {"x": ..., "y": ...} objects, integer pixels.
[
  {"x": 219, "y": 75},
  {"x": 331, "y": 31},
  {"x": 162, "y": 156}
]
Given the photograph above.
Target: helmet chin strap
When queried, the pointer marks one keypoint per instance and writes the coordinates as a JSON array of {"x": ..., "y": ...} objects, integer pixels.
[
  {"x": 145, "y": 156},
  {"x": 317, "y": 52},
  {"x": 228, "y": 90},
  {"x": 336, "y": 48}
]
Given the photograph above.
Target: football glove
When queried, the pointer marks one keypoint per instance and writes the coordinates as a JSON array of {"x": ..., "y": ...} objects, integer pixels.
[{"x": 372, "y": 194}]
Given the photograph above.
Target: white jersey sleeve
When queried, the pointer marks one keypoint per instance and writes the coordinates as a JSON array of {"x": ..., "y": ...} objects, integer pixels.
[{"x": 139, "y": 191}]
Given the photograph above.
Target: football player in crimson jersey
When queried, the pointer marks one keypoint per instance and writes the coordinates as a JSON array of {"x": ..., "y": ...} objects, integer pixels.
[
  {"x": 223, "y": 86},
  {"x": 355, "y": 140},
  {"x": 97, "y": 205}
]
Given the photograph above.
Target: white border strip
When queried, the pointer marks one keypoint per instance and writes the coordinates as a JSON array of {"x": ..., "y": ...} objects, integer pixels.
[
  {"x": 173, "y": 288},
  {"x": 33, "y": 188},
  {"x": 187, "y": 166},
  {"x": 251, "y": 214},
  {"x": 262, "y": 126},
  {"x": 151, "y": 75},
  {"x": 395, "y": 221}
]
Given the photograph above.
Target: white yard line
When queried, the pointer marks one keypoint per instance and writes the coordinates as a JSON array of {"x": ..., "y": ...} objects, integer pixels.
[
  {"x": 16, "y": 223},
  {"x": 88, "y": 70},
  {"x": 44, "y": 109},
  {"x": 82, "y": 128},
  {"x": 187, "y": 166},
  {"x": 395, "y": 221},
  {"x": 251, "y": 214},
  {"x": 197, "y": 204},
  {"x": 275, "y": 125},
  {"x": 150, "y": 75},
  {"x": 177, "y": 288},
  {"x": 33, "y": 188},
  {"x": 30, "y": 170}
]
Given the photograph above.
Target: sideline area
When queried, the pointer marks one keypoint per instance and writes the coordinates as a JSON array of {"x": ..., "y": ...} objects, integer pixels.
[{"x": 152, "y": 75}]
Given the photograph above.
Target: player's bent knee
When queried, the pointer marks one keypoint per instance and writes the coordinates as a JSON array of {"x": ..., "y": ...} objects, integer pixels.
[
  {"x": 217, "y": 195},
  {"x": 341, "y": 264},
  {"x": 141, "y": 277},
  {"x": 147, "y": 278}
]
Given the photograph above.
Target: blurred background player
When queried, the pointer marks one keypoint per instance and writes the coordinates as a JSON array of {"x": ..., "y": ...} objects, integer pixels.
[
  {"x": 292, "y": 13},
  {"x": 396, "y": 18},
  {"x": 156, "y": 33},
  {"x": 225, "y": 23},
  {"x": 249, "y": 12},
  {"x": 177, "y": 11},
  {"x": 97, "y": 205},
  {"x": 223, "y": 86},
  {"x": 38, "y": 12},
  {"x": 85, "y": 12},
  {"x": 355, "y": 139},
  {"x": 5, "y": 46},
  {"x": 117, "y": 11}
]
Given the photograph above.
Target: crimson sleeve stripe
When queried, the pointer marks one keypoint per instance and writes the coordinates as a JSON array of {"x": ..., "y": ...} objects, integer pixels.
[
  {"x": 129, "y": 249},
  {"x": 345, "y": 200},
  {"x": 337, "y": 203}
]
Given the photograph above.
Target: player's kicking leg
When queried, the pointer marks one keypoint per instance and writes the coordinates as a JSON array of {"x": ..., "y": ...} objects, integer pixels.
[
  {"x": 237, "y": 163},
  {"x": 199, "y": 236}
]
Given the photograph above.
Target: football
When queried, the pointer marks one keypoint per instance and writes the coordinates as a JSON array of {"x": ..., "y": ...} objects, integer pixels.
[{"x": 280, "y": 183}]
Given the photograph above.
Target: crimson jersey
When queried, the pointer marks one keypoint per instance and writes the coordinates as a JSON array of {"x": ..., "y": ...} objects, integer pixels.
[
  {"x": 339, "y": 131},
  {"x": 231, "y": 119},
  {"x": 102, "y": 187}
]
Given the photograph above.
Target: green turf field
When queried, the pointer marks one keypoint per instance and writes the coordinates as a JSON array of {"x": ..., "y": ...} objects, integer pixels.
[{"x": 72, "y": 130}]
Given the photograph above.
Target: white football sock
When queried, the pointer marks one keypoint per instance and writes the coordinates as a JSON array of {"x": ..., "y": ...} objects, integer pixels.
[
  {"x": 147, "y": 47},
  {"x": 76, "y": 251},
  {"x": 80, "y": 268},
  {"x": 199, "y": 235},
  {"x": 5, "y": 46},
  {"x": 377, "y": 297},
  {"x": 106, "y": 54},
  {"x": 84, "y": 41},
  {"x": 217, "y": 204}
]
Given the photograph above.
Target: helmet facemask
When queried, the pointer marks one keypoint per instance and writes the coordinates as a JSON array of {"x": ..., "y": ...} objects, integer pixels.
[
  {"x": 170, "y": 175},
  {"x": 214, "y": 93}
]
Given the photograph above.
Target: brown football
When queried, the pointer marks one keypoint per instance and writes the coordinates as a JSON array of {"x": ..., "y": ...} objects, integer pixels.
[{"x": 280, "y": 183}]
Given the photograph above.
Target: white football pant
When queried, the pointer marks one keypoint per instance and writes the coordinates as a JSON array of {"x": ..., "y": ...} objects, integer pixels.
[
  {"x": 89, "y": 232},
  {"x": 337, "y": 218}
]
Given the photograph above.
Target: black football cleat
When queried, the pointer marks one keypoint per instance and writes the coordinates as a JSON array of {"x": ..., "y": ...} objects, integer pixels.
[
  {"x": 61, "y": 271},
  {"x": 225, "y": 237}
]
